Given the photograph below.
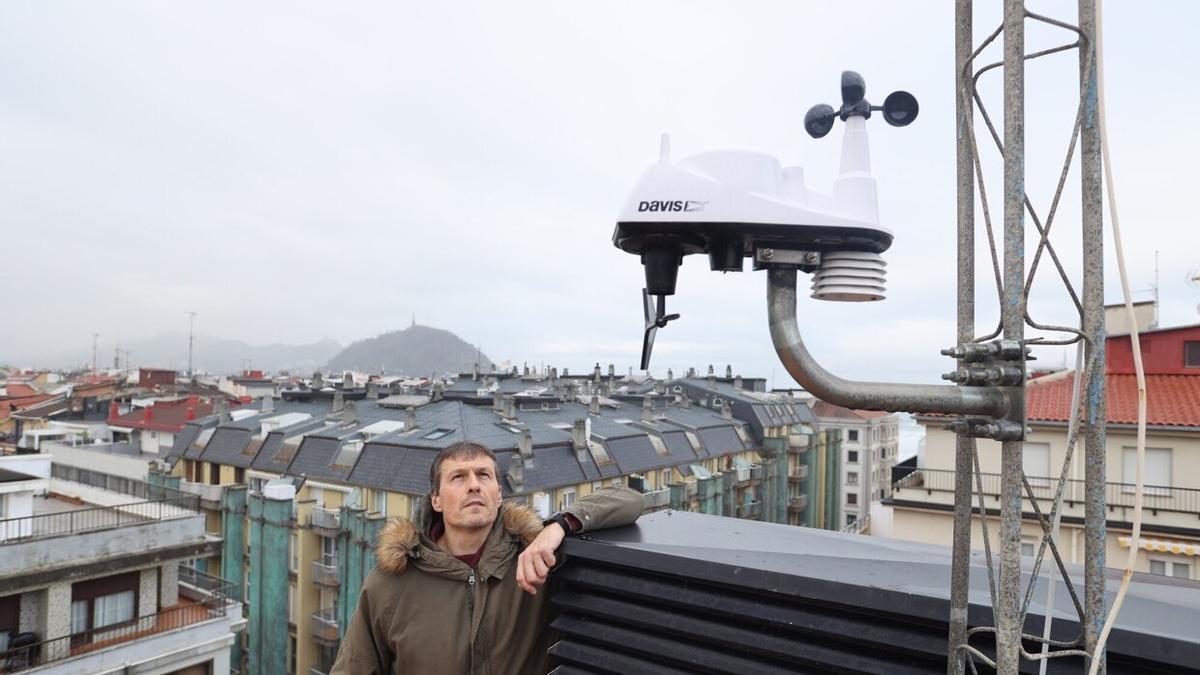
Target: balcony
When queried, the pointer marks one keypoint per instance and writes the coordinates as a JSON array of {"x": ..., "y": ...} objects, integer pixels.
[
  {"x": 859, "y": 525},
  {"x": 325, "y": 519},
  {"x": 92, "y": 651},
  {"x": 1163, "y": 505},
  {"x": 750, "y": 510},
  {"x": 798, "y": 473},
  {"x": 325, "y": 627},
  {"x": 657, "y": 499},
  {"x": 325, "y": 575},
  {"x": 206, "y": 492},
  {"x": 54, "y": 517},
  {"x": 741, "y": 476},
  {"x": 757, "y": 473},
  {"x": 797, "y": 502}
]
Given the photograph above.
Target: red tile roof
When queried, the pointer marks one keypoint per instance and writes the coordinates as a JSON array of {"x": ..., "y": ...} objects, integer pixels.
[
  {"x": 18, "y": 390},
  {"x": 11, "y": 405},
  {"x": 163, "y": 415},
  {"x": 1171, "y": 400}
]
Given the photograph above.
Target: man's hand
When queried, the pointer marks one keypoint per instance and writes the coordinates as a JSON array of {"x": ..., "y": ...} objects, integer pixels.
[{"x": 535, "y": 562}]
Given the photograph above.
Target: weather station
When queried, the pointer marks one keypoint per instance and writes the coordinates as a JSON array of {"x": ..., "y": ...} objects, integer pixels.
[{"x": 732, "y": 204}]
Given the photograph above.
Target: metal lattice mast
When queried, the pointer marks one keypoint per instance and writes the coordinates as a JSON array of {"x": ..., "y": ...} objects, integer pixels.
[{"x": 1013, "y": 284}]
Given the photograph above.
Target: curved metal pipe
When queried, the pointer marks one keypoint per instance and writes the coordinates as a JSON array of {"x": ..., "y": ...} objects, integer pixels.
[{"x": 889, "y": 396}]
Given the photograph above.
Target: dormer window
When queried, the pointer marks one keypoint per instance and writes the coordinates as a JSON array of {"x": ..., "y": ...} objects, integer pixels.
[{"x": 1191, "y": 354}]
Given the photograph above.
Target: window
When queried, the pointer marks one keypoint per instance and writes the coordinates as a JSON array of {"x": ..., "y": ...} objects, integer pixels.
[
  {"x": 1191, "y": 354},
  {"x": 568, "y": 498},
  {"x": 664, "y": 478},
  {"x": 850, "y": 518},
  {"x": 239, "y": 475},
  {"x": 294, "y": 550},
  {"x": 596, "y": 485},
  {"x": 1028, "y": 547},
  {"x": 852, "y": 478},
  {"x": 852, "y": 498},
  {"x": 852, "y": 456},
  {"x": 436, "y": 434},
  {"x": 256, "y": 484},
  {"x": 381, "y": 502},
  {"x": 1035, "y": 459},
  {"x": 1158, "y": 470},
  {"x": 98, "y": 603},
  {"x": 1166, "y": 568},
  {"x": 328, "y": 551},
  {"x": 852, "y": 434}
]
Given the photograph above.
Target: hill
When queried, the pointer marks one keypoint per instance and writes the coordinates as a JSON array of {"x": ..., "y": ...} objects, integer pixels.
[{"x": 416, "y": 350}]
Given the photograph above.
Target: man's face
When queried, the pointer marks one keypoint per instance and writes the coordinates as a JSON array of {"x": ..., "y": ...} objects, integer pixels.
[{"x": 469, "y": 494}]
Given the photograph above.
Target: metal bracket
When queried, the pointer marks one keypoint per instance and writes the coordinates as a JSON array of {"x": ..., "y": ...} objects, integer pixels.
[{"x": 805, "y": 260}]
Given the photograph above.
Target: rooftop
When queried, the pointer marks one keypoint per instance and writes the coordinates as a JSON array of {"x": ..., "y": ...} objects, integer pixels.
[{"x": 1171, "y": 400}]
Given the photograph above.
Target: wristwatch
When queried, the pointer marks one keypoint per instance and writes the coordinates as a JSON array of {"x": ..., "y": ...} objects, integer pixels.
[{"x": 563, "y": 522}]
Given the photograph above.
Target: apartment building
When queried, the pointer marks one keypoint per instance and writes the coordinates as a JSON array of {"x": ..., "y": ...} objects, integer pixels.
[
  {"x": 95, "y": 580},
  {"x": 1170, "y": 540},
  {"x": 869, "y": 443}
]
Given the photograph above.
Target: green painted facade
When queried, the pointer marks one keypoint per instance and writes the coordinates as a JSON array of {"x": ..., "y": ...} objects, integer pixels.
[
  {"x": 356, "y": 559},
  {"x": 270, "y": 532}
]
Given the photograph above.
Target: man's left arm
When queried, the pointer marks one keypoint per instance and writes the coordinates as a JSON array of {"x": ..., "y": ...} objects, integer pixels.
[{"x": 604, "y": 508}]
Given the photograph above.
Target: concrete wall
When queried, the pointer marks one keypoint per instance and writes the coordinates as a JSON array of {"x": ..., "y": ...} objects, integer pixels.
[
  {"x": 168, "y": 575},
  {"x": 148, "y": 592},
  {"x": 33, "y": 611},
  {"x": 83, "y": 547},
  {"x": 118, "y": 465}
]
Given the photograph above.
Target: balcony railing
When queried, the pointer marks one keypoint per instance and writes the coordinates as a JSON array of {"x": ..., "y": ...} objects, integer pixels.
[
  {"x": 107, "y": 481},
  {"x": 325, "y": 575},
  {"x": 742, "y": 475},
  {"x": 750, "y": 510},
  {"x": 798, "y": 502},
  {"x": 859, "y": 525},
  {"x": 657, "y": 498},
  {"x": 325, "y": 519},
  {"x": 1155, "y": 497},
  {"x": 68, "y": 646},
  {"x": 96, "y": 518},
  {"x": 798, "y": 473},
  {"x": 325, "y": 626},
  {"x": 757, "y": 472},
  {"x": 205, "y": 491},
  {"x": 205, "y": 587}
]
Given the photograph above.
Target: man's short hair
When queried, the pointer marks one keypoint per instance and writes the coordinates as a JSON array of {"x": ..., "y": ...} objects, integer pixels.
[{"x": 458, "y": 450}]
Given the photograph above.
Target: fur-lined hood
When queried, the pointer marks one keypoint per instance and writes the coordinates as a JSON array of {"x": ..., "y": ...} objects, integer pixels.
[{"x": 402, "y": 539}]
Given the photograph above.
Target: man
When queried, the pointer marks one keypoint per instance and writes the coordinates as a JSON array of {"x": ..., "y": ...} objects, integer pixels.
[{"x": 457, "y": 592}]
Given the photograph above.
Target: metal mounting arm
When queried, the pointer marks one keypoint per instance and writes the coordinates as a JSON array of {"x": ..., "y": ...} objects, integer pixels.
[{"x": 989, "y": 401}]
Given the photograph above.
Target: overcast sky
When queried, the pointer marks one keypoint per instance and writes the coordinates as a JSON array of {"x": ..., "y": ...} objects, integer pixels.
[{"x": 294, "y": 171}]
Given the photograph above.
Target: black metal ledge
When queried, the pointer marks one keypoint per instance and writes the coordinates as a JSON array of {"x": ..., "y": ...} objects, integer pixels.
[{"x": 685, "y": 592}]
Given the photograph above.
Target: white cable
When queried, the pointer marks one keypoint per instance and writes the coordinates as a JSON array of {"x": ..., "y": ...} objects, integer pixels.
[
  {"x": 1134, "y": 543},
  {"x": 1071, "y": 431}
]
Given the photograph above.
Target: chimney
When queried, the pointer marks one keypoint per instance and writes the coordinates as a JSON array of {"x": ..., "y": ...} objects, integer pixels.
[
  {"x": 647, "y": 409},
  {"x": 221, "y": 407},
  {"x": 670, "y": 374},
  {"x": 660, "y": 387},
  {"x": 437, "y": 391},
  {"x": 190, "y": 413},
  {"x": 526, "y": 370},
  {"x": 510, "y": 407},
  {"x": 596, "y": 372},
  {"x": 514, "y": 371},
  {"x": 339, "y": 401},
  {"x": 268, "y": 404},
  {"x": 372, "y": 390},
  {"x": 711, "y": 372},
  {"x": 594, "y": 404},
  {"x": 712, "y": 380},
  {"x": 691, "y": 372},
  {"x": 516, "y": 473},
  {"x": 475, "y": 372},
  {"x": 410, "y": 418},
  {"x": 612, "y": 371},
  {"x": 553, "y": 375},
  {"x": 685, "y": 402},
  {"x": 737, "y": 382},
  {"x": 148, "y": 413},
  {"x": 497, "y": 402},
  {"x": 113, "y": 410},
  {"x": 525, "y": 447},
  {"x": 579, "y": 441},
  {"x": 728, "y": 371},
  {"x": 350, "y": 413},
  {"x": 317, "y": 381},
  {"x": 727, "y": 411}
]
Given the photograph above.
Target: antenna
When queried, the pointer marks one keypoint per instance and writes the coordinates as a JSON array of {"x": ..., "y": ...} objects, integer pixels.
[
  {"x": 95, "y": 337},
  {"x": 191, "y": 342}
]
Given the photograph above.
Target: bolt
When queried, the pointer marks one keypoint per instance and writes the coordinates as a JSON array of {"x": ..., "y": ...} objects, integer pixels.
[
  {"x": 768, "y": 253},
  {"x": 953, "y": 376},
  {"x": 952, "y": 351},
  {"x": 810, "y": 257}
]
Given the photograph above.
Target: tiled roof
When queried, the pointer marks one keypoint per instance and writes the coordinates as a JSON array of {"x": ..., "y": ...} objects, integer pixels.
[
  {"x": 164, "y": 415},
  {"x": 1171, "y": 400},
  {"x": 824, "y": 410}
]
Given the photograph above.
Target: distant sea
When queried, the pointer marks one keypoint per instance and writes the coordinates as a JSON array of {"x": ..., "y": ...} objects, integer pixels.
[{"x": 912, "y": 436}]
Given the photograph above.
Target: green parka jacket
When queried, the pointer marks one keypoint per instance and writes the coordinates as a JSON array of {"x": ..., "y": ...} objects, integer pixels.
[{"x": 422, "y": 610}]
